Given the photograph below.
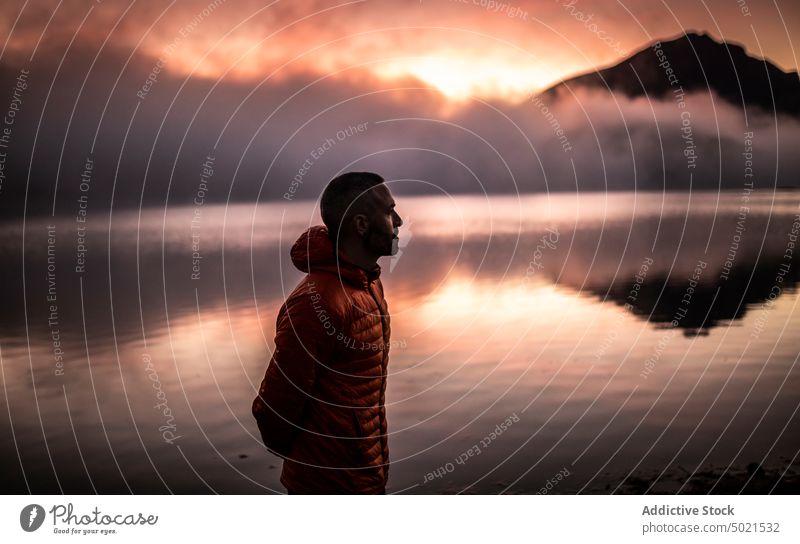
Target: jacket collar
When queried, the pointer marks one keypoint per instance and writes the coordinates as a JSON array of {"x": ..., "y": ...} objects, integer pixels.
[{"x": 314, "y": 250}]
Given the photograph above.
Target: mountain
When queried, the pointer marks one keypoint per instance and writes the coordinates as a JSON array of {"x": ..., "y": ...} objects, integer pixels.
[{"x": 699, "y": 63}]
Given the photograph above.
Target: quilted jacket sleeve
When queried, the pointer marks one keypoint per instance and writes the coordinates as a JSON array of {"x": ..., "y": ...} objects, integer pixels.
[
  {"x": 384, "y": 426},
  {"x": 303, "y": 345},
  {"x": 384, "y": 437}
]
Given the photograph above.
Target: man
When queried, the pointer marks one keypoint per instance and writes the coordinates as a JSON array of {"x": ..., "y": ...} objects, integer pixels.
[{"x": 321, "y": 405}]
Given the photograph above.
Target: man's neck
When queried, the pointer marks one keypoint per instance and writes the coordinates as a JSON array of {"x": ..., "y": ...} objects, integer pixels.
[{"x": 354, "y": 252}]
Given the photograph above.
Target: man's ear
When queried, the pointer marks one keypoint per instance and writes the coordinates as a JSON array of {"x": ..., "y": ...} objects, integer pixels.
[{"x": 361, "y": 223}]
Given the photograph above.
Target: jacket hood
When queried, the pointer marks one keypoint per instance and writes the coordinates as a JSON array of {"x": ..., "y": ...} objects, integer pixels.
[{"x": 314, "y": 251}]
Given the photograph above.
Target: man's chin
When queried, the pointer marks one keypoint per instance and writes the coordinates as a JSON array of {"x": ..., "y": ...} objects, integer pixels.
[{"x": 387, "y": 248}]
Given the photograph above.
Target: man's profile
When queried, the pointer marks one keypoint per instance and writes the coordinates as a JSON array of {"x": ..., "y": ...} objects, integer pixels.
[{"x": 321, "y": 404}]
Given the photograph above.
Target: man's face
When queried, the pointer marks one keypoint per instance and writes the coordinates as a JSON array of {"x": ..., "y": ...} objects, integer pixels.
[{"x": 384, "y": 223}]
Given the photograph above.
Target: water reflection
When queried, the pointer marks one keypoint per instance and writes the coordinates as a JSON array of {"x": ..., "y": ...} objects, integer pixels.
[{"x": 536, "y": 306}]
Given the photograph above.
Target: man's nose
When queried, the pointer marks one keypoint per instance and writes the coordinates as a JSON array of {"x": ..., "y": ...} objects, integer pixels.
[{"x": 398, "y": 220}]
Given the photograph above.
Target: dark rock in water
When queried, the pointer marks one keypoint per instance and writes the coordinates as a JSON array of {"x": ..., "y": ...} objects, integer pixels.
[
  {"x": 755, "y": 470},
  {"x": 753, "y": 479},
  {"x": 707, "y": 474},
  {"x": 637, "y": 484}
]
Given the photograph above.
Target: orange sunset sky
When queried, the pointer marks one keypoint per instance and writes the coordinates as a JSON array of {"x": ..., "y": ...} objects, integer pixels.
[{"x": 480, "y": 48}]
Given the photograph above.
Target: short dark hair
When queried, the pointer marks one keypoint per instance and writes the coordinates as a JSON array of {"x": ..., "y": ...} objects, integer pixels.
[{"x": 344, "y": 197}]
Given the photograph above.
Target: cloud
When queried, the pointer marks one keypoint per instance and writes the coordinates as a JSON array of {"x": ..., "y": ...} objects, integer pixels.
[{"x": 489, "y": 48}]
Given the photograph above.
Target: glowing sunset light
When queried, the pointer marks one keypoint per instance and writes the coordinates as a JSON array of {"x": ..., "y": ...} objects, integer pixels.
[
  {"x": 461, "y": 301},
  {"x": 460, "y": 77}
]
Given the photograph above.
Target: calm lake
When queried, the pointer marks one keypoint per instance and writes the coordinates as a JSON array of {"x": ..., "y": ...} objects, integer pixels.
[{"x": 624, "y": 342}]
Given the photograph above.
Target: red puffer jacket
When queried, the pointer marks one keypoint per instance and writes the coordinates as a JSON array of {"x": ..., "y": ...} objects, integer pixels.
[{"x": 321, "y": 404}]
